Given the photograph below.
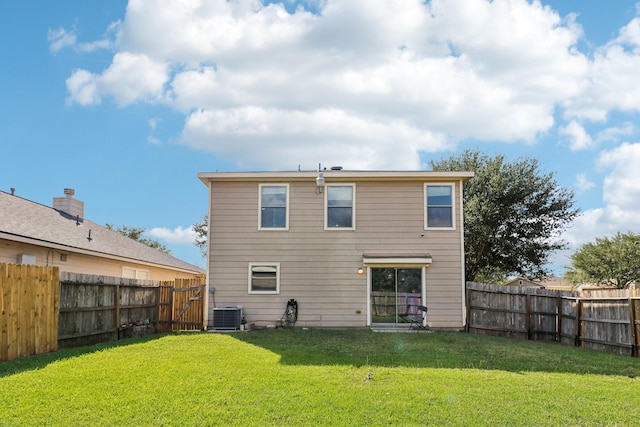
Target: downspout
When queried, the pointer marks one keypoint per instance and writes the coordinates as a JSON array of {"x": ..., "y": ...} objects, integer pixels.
[
  {"x": 207, "y": 259},
  {"x": 462, "y": 266}
]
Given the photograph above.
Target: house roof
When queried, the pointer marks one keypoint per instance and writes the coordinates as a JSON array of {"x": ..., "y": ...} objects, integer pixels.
[
  {"x": 523, "y": 281},
  {"x": 335, "y": 174},
  {"x": 29, "y": 222}
]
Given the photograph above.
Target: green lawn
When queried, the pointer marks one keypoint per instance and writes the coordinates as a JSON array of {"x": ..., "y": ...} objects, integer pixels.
[{"x": 321, "y": 377}]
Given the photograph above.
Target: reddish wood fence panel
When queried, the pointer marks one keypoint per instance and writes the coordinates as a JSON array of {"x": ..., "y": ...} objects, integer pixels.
[
  {"x": 182, "y": 305},
  {"x": 165, "y": 306},
  {"x": 29, "y": 300}
]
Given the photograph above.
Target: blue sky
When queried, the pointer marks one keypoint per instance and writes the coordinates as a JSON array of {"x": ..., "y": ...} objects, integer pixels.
[{"x": 127, "y": 101}]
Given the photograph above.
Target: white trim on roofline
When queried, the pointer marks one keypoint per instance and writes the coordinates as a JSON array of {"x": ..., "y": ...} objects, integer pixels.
[{"x": 334, "y": 176}]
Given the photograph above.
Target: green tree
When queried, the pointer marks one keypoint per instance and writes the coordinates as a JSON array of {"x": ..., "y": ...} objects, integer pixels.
[
  {"x": 136, "y": 233},
  {"x": 611, "y": 261},
  {"x": 514, "y": 215},
  {"x": 202, "y": 230}
]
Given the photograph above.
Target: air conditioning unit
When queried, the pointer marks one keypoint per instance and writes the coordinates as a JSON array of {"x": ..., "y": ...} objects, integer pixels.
[
  {"x": 227, "y": 318},
  {"x": 26, "y": 259}
]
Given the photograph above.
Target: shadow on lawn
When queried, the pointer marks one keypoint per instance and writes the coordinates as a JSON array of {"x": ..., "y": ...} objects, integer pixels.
[
  {"x": 40, "y": 361},
  {"x": 434, "y": 350}
]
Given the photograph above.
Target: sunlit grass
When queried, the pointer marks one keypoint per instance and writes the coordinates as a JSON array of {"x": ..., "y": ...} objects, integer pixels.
[{"x": 321, "y": 377}]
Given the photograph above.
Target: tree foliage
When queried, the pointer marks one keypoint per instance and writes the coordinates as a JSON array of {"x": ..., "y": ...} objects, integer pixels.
[
  {"x": 514, "y": 215},
  {"x": 137, "y": 233},
  {"x": 611, "y": 261},
  {"x": 202, "y": 230}
]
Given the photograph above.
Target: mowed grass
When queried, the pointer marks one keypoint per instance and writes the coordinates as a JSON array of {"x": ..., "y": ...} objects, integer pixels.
[{"x": 321, "y": 377}]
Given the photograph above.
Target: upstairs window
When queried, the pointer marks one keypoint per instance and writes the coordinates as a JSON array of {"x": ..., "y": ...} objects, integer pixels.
[
  {"x": 439, "y": 207},
  {"x": 274, "y": 202},
  {"x": 264, "y": 278},
  {"x": 340, "y": 207}
]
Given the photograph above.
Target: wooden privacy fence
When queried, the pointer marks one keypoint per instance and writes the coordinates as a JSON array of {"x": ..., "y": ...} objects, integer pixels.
[
  {"x": 602, "y": 320},
  {"x": 181, "y": 305},
  {"x": 29, "y": 300},
  {"x": 102, "y": 308},
  {"x": 42, "y": 309}
]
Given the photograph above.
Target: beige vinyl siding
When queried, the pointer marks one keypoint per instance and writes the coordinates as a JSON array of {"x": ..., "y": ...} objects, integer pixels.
[{"x": 318, "y": 267}]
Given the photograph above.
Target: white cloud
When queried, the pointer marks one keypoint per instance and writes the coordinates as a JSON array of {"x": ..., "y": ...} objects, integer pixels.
[
  {"x": 327, "y": 135},
  {"x": 94, "y": 45},
  {"x": 615, "y": 133},
  {"x": 630, "y": 34},
  {"x": 60, "y": 38},
  {"x": 621, "y": 187},
  {"x": 578, "y": 137},
  {"x": 179, "y": 235},
  {"x": 131, "y": 77},
  {"x": 83, "y": 88},
  {"x": 583, "y": 183},
  {"x": 362, "y": 80},
  {"x": 611, "y": 82},
  {"x": 134, "y": 77},
  {"x": 621, "y": 196},
  {"x": 109, "y": 40},
  {"x": 364, "y": 83}
]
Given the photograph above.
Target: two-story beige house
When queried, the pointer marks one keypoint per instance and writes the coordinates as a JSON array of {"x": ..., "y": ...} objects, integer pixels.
[{"x": 353, "y": 248}]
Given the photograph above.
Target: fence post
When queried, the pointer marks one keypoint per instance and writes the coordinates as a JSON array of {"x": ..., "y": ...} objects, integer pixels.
[
  {"x": 158, "y": 293},
  {"x": 559, "y": 319},
  {"x": 468, "y": 307},
  {"x": 116, "y": 303},
  {"x": 579, "y": 331},
  {"x": 527, "y": 320},
  {"x": 632, "y": 322}
]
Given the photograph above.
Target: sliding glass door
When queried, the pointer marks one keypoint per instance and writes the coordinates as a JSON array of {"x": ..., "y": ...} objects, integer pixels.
[{"x": 395, "y": 293}]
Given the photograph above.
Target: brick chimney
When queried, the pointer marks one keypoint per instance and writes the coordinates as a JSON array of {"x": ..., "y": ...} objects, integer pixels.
[{"x": 68, "y": 204}]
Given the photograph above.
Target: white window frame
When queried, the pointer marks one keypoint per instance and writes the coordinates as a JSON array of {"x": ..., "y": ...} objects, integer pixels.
[
  {"x": 137, "y": 273},
  {"x": 326, "y": 207},
  {"x": 264, "y": 264},
  {"x": 453, "y": 205},
  {"x": 286, "y": 216}
]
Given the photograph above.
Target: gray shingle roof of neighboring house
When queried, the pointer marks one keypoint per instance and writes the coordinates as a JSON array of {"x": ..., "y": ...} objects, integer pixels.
[{"x": 30, "y": 222}]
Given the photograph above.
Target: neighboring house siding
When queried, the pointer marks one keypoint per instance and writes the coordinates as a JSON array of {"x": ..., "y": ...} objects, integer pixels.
[
  {"x": 318, "y": 266},
  {"x": 81, "y": 263}
]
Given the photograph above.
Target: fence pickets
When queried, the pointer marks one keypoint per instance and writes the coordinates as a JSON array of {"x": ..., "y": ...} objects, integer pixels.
[
  {"x": 42, "y": 309},
  {"x": 182, "y": 305},
  {"x": 100, "y": 308},
  {"x": 29, "y": 301},
  {"x": 601, "y": 320}
]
